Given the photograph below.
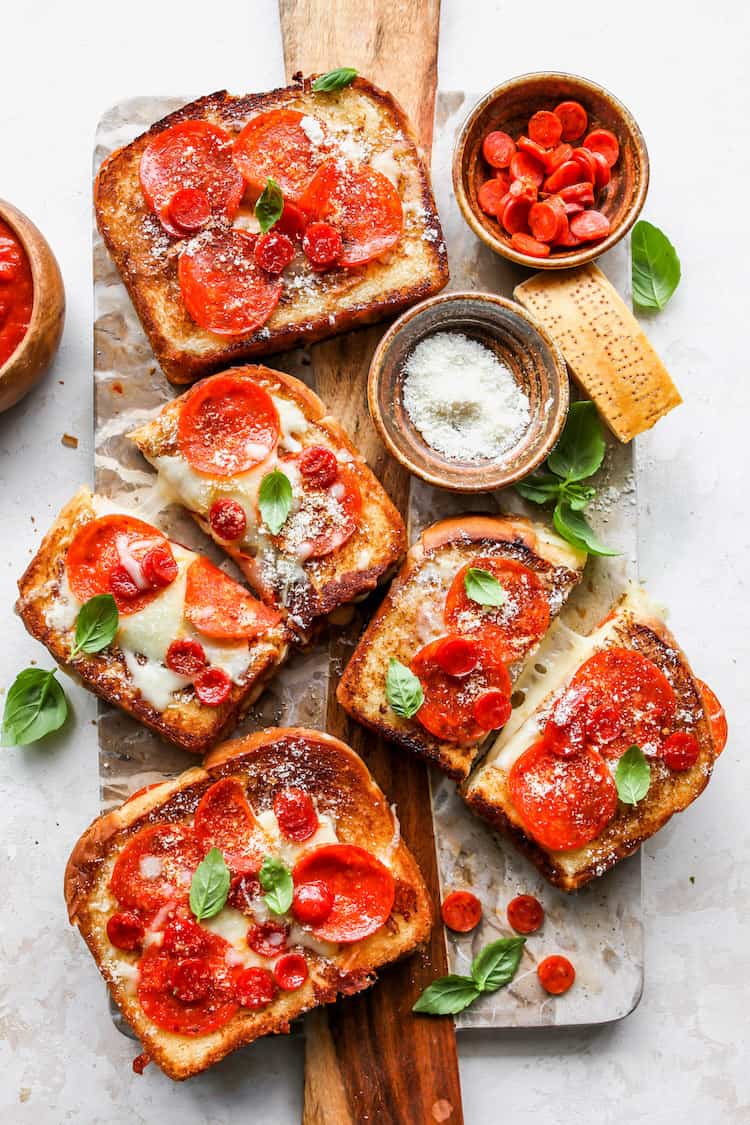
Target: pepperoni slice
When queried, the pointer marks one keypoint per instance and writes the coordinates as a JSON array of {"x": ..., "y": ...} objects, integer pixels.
[
  {"x": 255, "y": 988},
  {"x": 228, "y": 520},
  {"x": 492, "y": 710},
  {"x": 716, "y": 716},
  {"x": 605, "y": 143},
  {"x": 578, "y": 193},
  {"x": 126, "y": 930},
  {"x": 188, "y": 995},
  {"x": 602, "y": 174},
  {"x": 516, "y": 215},
  {"x": 318, "y": 466},
  {"x": 227, "y": 425},
  {"x": 114, "y": 546},
  {"x": 295, "y": 812},
  {"x": 461, "y": 911},
  {"x": 491, "y": 197},
  {"x": 545, "y": 128},
  {"x": 511, "y": 629},
  {"x": 573, "y": 120},
  {"x": 193, "y": 155},
  {"x": 290, "y": 972},
  {"x": 567, "y": 173},
  {"x": 224, "y": 820},
  {"x": 312, "y": 903},
  {"x": 563, "y": 803},
  {"x": 525, "y": 914},
  {"x": 546, "y": 218},
  {"x": 528, "y": 245},
  {"x": 155, "y": 866},
  {"x": 558, "y": 156},
  {"x": 533, "y": 148},
  {"x": 293, "y": 222},
  {"x": 556, "y": 974},
  {"x": 457, "y": 655},
  {"x": 619, "y": 679},
  {"x": 243, "y": 890},
  {"x": 212, "y": 687},
  {"x": 361, "y": 203},
  {"x": 586, "y": 162},
  {"x": 448, "y": 710},
  {"x": 219, "y": 607},
  {"x": 363, "y": 890},
  {"x": 680, "y": 751},
  {"x": 275, "y": 145},
  {"x": 498, "y": 149},
  {"x": 322, "y": 245},
  {"x": 525, "y": 167},
  {"x": 274, "y": 251},
  {"x": 223, "y": 288},
  {"x": 324, "y": 518},
  {"x": 189, "y": 210},
  {"x": 268, "y": 939}
]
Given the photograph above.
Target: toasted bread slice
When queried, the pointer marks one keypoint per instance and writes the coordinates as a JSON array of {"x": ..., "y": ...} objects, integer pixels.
[
  {"x": 306, "y": 588},
  {"x": 351, "y": 809},
  {"x": 366, "y": 124},
  {"x": 120, "y": 673},
  {"x": 411, "y": 616},
  {"x": 635, "y": 625}
]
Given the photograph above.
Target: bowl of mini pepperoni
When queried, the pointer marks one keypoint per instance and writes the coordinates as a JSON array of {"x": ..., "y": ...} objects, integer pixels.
[{"x": 550, "y": 170}]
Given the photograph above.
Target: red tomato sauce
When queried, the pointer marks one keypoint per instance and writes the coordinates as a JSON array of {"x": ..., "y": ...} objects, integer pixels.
[{"x": 16, "y": 292}]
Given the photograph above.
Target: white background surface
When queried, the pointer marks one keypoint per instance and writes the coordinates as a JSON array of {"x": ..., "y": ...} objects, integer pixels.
[{"x": 681, "y": 68}]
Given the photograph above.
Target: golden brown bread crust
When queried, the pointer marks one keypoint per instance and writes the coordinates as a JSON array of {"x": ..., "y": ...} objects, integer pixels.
[
  {"x": 670, "y": 792},
  {"x": 146, "y": 257},
  {"x": 399, "y": 628},
  {"x": 265, "y": 762},
  {"x": 350, "y": 572},
  {"x": 188, "y": 724}
]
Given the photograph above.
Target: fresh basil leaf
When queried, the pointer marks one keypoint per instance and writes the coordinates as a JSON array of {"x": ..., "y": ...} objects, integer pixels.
[
  {"x": 270, "y": 205},
  {"x": 35, "y": 706},
  {"x": 276, "y": 880},
  {"x": 334, "y": 80},
  {"x": 578, "y": 495},
  {"x": 497, "y": 963},
  {"x": 96, "y": 624},
  {"x": 402, "y": 689},
  {"x": 482, "y": 587},
  {"x": 446, "y": 996},
  {"x": 539, "y": 488},
  {"x": 574, "y": 528},
  {"x": 580, "y": 450},
  {"x": 275, "y": 500},
  {"x": 209, "y": 886},
  {"x": 632, "y": 776},
  {"x": 656, "y": 268}
]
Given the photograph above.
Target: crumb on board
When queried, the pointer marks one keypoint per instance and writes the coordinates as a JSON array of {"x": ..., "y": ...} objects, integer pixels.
[{"x": 70, "y": 440}]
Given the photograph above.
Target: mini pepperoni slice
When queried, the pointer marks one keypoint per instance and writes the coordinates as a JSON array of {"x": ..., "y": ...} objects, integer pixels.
[
  {"x": 563, "y": 803},
  {"x": 220, "y": 608},
  {"x": 227, "y": 519},
  {"x": 323, "y": 246},
  {"x": 556, "y": 974},
  {"x": 525, "y": 167},
  {"x": 290, "y": 972},
  {"x": 312, "y": 903},
  {"x": 243, "y": 891},
  {"x": 491, "y": 196},
  {"x": 525, "y": 244},
  {"x": 189, "y": 210},
  {"x": 293, "y": 222},
  {"x": 602, "y": 173},
  {"x": 318, "y": 466},
  {"x": 159, "y": 566},
  {"x": 363, "y": 890},
  {"x": 457, "y": 655},
  {"x": 255, "y": 988},
  {"x": 533, "y": 148},
  {"x": 564, "y": 237},
  {"x": 114, "y": 545},
  {"x": 573, "y": 120},
  {"x": 274, "y": 251},
  {"x": 156, "y": 865},
  {"x": 295, "y": 813},
  {"x": 545, "y": 128},
  {"x": 125, "y": 930},
  {"x": 590, "y": 226},
  {"x": 224, "y": 820},
  {"x": 212, "y": 687},
  {"x": 546, "y": 218},
  {"x": 186, "y": 657},
  {"x": 523, "y": 189},
  {"x": 498, "y": 149},
  {"x": 568, "y": 173},
  {"x": 461, "y": 911},
  {"x": 448, "y": 710},
  {"x": 578, "y": 193},
  {"x": 188, "y": 996},
  {"x": 361, "y": 203},
  {"x": 680, "y": 751},
  {"x": 268, "y": 939},
  {"x": 227, "y": 425},
  {"x": 274, "y": 144},
  {"x": 324, "y": 519},
  {"x": 716, "y": 716},
  {"x": 192, "y": 155},
  {"x": 223, "y": 288},
  {"x": 511, "y": 629},
  {"x": 525, "y": 914},
  {"x": 605, "y": 143},
  {"x": 559, "y": 155},
  {"x": 586, "y": 162},
  {"x": 492, "y": 710},
  {"x": 515, "y": 216}
]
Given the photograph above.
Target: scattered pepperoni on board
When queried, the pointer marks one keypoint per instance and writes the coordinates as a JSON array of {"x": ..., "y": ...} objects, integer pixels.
[
  {"x": 556, "y": 974},
  {"x": 461, "y": 911},
  {"x": 525, "y": 914},
  {"x": 529, "y": 174}
]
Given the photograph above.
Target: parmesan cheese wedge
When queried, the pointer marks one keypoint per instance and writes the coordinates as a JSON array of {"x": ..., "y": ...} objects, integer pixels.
[{"x": 605, "y": 348}]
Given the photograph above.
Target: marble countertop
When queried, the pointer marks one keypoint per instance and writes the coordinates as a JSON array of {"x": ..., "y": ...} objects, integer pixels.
[{"x": 679, "y": 1057}]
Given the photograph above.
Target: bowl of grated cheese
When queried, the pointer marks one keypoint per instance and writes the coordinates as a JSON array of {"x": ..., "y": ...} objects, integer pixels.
[{"x": 468, "y": 392}]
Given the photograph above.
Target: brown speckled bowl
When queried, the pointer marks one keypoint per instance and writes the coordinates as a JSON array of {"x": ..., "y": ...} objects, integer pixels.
[
  {"x": 509, "y": 107},
  {"x": 518, "y": 341}
]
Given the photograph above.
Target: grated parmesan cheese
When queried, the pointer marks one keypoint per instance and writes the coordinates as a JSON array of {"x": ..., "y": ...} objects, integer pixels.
[{"x": 462, "y": 399}]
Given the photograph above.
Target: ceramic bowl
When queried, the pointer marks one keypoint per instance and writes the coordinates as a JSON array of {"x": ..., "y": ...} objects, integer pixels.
[
  {"x": 518, "y": 341},
  {"x": 37, "y": 349},
  {"x": 508, "y": 107}
]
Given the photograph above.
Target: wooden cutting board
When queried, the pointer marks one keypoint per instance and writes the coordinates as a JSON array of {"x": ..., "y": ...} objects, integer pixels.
[{"x": 369, "y": 1059}]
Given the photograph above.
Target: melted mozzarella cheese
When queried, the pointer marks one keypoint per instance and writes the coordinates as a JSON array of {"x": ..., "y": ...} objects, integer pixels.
[
  {"x": 288, "y": 849},
  {"x": 63, "y": 609}
]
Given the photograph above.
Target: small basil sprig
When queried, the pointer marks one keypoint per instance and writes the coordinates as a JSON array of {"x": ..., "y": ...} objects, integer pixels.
[
  {"x": 209, "y": 886},
  {"x": 276, "y": 880},
  {"x": 270, "y": 205},
  {"x": 577, "y": 456},
  {"x": 35, "y": 706},
  {"x": 334, "y": 80},
  {"x": 493, "y": 967},
  {"x": 632, "y": 776},
  {"x": 96, "y": 624},
  {"x": 483, "y": 588},
  {"x": 275, "y": 500},
  {"x": 656, "y": 270},
  {"x": 402, "y": 689}
]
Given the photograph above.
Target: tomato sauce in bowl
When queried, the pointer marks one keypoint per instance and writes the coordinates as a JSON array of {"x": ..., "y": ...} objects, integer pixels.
[{"x": 16, "y": 292}]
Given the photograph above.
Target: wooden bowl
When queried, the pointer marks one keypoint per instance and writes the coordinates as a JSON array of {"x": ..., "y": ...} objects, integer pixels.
[
  {"x": 509, "y": 107},
  {"x": 518, "y": 341},
  {"x": 37, "y": 349}
]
